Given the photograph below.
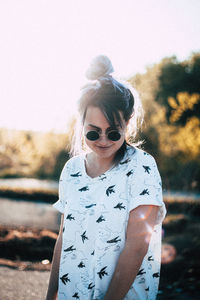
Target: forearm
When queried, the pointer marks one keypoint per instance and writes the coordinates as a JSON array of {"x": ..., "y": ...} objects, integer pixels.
[
  {"x": 53, "y": 281},
  {"x": 125, "y": 273}
]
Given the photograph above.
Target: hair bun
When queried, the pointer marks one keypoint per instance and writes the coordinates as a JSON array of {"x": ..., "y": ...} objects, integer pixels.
[{"x": 100, "y": 66}]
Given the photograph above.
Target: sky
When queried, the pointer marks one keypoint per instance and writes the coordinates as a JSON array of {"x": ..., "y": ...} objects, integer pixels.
[{"x": 46, "y": 47}]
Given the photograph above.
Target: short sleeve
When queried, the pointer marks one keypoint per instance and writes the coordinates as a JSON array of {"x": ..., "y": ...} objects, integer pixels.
[
  {"x": 62, "y": 189},
  {"x": 146, "y": 187}
]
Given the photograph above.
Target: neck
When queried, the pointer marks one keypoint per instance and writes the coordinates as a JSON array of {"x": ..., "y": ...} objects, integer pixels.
[
  {"x": 101, "y": 161},
  {"x": 96, "y": 165}
]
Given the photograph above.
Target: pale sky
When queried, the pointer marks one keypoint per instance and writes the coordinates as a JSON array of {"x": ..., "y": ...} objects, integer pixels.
[{"x": 46, "y": 46}]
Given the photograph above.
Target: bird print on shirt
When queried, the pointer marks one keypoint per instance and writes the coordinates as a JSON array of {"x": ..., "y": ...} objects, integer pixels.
[
  {"x": 84, "y": 237},
  {"x": 150, "y": 258},
  {"x": 141, "y": 272},
  {"x": 147, "y": 169},
  {"x": 84, "y": 189},
  {"x": 125, "y": 162},
  {"x": 115, "y": 240},
  {"x": 70, "y": 249},
  {"x": 89, "y": 206},
  {"x": 110, "y": 190},
  {"x": 145, "y": 153},
  {"x": 155, "y": 275},
  {"x": 76, "y": 296},
  {"x": 90, "y": 286},
  {"x": 103, "y": 178},
  {"x": 78, "y": 174},
  {"x": 120, "y": 206},
  {"x": 69, "y": 217},
  {"x": 129, "y": 173},
  {"x": 102, "y": 272},
  {"x": 81, "y": 265},
  {"x": 100, "y": 219},
  {"x": 65, "y": 278},
  {"x": 145, "y": 192}
]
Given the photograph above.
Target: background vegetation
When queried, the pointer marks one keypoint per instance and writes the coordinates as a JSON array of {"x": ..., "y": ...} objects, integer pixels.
[{"x": 170, "y": 91}]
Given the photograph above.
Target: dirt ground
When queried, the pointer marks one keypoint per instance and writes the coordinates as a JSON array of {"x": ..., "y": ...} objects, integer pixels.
[
  {"x": 26, "y": 253},
  {"x": 23, "y": 285},
  {"x": 32, "y": 285}
]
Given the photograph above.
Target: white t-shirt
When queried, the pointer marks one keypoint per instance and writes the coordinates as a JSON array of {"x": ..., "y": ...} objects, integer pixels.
[{"x": 96, "y": 212}]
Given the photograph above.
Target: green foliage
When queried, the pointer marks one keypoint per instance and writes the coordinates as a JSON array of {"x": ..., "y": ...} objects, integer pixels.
[
  {"x": 176, "y": 78},
  {"x": 170, "y": 92}
]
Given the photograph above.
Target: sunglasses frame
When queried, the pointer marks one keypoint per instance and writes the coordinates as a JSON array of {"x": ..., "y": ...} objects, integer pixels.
[{"x": 107, "y": 135}]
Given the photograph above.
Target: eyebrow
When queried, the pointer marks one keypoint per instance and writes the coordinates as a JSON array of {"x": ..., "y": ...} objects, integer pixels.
[{"x": 91, "y": 125}]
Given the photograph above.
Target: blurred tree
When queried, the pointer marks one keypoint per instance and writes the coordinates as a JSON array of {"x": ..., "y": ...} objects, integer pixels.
[
  {"x": 176, "y": 77},
  {"x": 170, "y": 92}
]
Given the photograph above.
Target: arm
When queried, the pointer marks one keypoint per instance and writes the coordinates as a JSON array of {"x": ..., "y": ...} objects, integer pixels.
[
  {"x": 53, "y": 281},
  {"x": 140, "y": 226}
]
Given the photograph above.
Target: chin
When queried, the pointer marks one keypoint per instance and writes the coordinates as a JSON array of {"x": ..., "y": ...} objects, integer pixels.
[{"x": 105, "y": 151}]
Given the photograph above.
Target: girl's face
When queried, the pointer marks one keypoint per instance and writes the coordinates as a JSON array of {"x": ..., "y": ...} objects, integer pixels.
[{"x": 96, "y": 121}]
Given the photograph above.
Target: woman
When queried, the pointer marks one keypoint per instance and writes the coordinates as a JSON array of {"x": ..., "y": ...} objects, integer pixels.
[{"x": 111, "y": 202}]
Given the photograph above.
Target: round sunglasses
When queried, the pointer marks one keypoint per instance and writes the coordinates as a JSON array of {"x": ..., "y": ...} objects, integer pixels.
[{"x": 113, "y": 135}]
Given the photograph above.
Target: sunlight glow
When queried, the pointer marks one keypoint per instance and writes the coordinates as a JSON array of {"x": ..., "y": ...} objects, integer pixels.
[
  {"x": 46, "y": 48},
  {"x": 142, "y": 216}
]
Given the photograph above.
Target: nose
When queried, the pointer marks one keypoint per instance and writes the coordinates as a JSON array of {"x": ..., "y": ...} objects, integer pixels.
[{"x": 103, "y": 140}]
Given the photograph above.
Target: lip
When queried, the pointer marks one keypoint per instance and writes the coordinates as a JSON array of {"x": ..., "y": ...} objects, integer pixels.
[{"x": 103, "y": 147}]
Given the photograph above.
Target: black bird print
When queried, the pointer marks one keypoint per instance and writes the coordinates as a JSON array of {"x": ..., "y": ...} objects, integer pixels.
[
  {"x": 65, "y": 278},
  {"x": 100, "y": 219},
  {"x": 129, "y": 173},
  {"x": 69, "y": 217},
  {"x": 147, "y": 169},
  {"x": 81, "y": 265},
  {"x": 120, "y": 206},
  {"x": 103, "y": 178},
  {"x": 147, "y": 289},
  {"x": 150, "y": 258},
  {"x": 78, "y": 174},
  {"x": 156, "y": 275},
  {"x": 89, "y": 206},
  {"x": 110, "y": 190},
  {"x": 90, "y": 286},
  {"x": 76, "y": 296},
  {"x": 102, "y": 272},
  {"x": 144, "y": 192},
  {"x": 84, "y": 189},
  {"x": 70, "y": 249},
  {"x": 115, "y": 240},
  {"x": 84, "y": 237},
  {"x": 125, "y": 161},
  {"x": 63, "y": 228},
  {"x": 145, "y": 153},
  {"x": 92, "y": 252},
  {"x": 141, "y": 272}
]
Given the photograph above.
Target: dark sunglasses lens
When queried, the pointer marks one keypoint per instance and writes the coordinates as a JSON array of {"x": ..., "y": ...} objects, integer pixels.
[
  {"x": 114, "y": 136},
  {"x": 92, "y": 135}
]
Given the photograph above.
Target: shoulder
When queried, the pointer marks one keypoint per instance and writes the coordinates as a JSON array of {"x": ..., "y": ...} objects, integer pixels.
[
  {"x": 71, "y": 164},
  {"x": 139, "y": 155},
  {"x": 144, "y": 163}
]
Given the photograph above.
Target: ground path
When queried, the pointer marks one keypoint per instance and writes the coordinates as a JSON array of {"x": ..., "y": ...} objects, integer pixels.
[{"x": 23, "y": 285}]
